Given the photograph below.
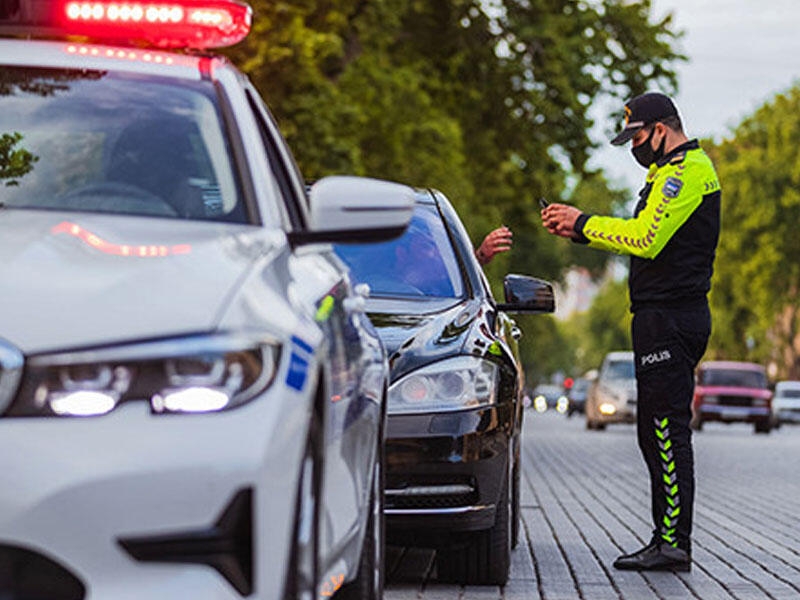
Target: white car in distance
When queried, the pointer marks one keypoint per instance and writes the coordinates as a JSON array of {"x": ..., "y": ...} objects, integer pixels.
[{"x": 786, "y": 403}]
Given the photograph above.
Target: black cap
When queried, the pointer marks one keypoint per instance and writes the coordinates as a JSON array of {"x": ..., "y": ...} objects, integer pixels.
[{"x": 642, "y": 111}]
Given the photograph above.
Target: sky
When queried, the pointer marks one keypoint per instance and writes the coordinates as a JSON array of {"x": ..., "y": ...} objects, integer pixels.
[{"x": 741, "y": 53}]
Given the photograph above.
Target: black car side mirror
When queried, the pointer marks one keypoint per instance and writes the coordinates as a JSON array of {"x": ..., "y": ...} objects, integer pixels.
[{"x": 525, "y": 294}]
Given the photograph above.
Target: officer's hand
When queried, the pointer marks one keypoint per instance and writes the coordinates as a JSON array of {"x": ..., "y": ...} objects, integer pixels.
[{"x": 560, "y": 219}]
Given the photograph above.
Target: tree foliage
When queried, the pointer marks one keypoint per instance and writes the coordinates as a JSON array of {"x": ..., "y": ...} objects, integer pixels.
[
  {"x": 757, "y": 274},
  {"x": 487, "y": 100},
  {"x": 14, "y": 163},
  {"x": 604, "y": 328},
  {"x": 546, "y": 347}
]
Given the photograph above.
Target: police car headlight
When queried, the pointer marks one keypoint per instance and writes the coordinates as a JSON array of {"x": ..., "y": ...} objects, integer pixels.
[
  {"x": 197, "y": 374},
  {"x": 452, "y": 384}
]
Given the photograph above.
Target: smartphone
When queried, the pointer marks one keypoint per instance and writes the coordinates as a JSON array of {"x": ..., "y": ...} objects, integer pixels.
[{"x": 543, "y": 203}]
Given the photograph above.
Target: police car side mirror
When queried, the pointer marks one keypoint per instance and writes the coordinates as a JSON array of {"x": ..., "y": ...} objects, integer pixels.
[{"x": 356, "y": 209}]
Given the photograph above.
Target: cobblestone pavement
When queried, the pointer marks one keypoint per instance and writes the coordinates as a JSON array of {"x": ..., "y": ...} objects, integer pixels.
[{"x": 586, "y": 500}]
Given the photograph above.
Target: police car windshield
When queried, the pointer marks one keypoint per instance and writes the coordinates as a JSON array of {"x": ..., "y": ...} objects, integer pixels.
[
  {"x": 109, "y": 142},
  {"x": 419, "y": 263}
]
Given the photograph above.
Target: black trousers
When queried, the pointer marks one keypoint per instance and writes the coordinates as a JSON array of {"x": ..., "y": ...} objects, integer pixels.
[{"x": 667, "y": 345}]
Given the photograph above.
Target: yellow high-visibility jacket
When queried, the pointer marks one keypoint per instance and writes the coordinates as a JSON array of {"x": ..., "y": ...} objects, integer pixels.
[{"x": 672, "y": 236}]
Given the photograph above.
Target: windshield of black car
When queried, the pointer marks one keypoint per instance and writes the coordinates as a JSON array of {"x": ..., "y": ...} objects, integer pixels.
[
  {"x": 619, "y": 369},
  {"x": 421, "y": 262},
  {"x": 99, "y": 141},
  {"x": 734, "y": 378}
]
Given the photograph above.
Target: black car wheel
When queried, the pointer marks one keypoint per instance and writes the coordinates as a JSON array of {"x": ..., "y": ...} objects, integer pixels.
[
  {"x": 485, "y": 558},
  {"x": 368, "y": 584},
  {"x": 595, "y": 426},
  {"x": 762, "y": 427},
  {"x": 515, "y": 502}
]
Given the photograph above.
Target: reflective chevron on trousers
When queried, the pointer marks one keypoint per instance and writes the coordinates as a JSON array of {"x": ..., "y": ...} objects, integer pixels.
[{"x": 669, "y": 477}]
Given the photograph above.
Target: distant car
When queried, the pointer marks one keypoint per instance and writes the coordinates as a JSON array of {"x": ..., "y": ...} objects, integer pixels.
[
  {"x": 576, "y": 396},
  {"x": 729, "y": 392},
  {"x": 549, "y": 396},
  {"x": 612, "y": 397},
  {"x": 786, "y": 403},
  {"x": 455, "y": 399}
]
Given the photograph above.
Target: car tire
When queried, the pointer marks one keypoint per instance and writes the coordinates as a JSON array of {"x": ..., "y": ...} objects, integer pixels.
[
  {"x": 515, "y": 502},
  {"x": 485, "y": 558},
  {"x": 303, "y": 575},
  {"x": 595, "y": 426},
  {"x": 368, "y": 584},
  {"x": 761, "y": 427}
]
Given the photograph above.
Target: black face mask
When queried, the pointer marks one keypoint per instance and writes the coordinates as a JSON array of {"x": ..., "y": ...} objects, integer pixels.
[{"x": 644, "y": 153}]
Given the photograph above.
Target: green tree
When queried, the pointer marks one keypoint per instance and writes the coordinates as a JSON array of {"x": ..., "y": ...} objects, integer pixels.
[
  {"x": 603, "y": 328},
  {"x": 14, "y": 163},
  {"x": 487, "y": 101},
  {"x": 546, "y": 347},
  {"x": 757, "y": 274}
]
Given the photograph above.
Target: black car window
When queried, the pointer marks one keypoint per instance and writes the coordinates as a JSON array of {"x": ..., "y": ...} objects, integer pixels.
[
  {"x": 419, "y": 263},
  {"x": 111, "y": 142},
  {"x": 734, "y": 378}
]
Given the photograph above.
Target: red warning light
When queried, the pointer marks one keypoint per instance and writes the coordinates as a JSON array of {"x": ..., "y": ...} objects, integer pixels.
[
  {"x": 568, "y": 383},
  {"x": 179, "y": 24}
]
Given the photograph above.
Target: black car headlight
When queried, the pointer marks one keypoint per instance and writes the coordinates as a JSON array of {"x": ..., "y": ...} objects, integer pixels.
[
  {"x": 195, "y": 374},
  {"x": 452, "y": 384}
]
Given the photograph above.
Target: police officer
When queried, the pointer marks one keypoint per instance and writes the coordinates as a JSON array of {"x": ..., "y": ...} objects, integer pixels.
[{"x": 672, "y": 239}]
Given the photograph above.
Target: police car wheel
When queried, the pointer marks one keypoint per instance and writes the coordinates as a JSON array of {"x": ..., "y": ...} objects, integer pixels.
[
  {"x": 368, "y": 584},
  {"x": 301, "y": 581}
]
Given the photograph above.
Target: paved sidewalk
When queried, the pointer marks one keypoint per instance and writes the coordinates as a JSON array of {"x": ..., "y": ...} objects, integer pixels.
[{"x": 586, "y": 500}]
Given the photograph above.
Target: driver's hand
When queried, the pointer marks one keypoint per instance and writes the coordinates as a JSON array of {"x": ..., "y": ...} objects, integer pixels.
[{"x": 495, "y": 242}]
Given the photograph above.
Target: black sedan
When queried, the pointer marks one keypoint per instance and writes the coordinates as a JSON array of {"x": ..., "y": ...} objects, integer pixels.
[{"x": 455, "y": 408}]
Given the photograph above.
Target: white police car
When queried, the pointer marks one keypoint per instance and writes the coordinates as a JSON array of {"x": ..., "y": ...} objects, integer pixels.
[{"x": 191, "y": 398}]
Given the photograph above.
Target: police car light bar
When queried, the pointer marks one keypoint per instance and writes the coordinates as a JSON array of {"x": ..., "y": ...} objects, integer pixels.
[{"x": 167, "y": 24}]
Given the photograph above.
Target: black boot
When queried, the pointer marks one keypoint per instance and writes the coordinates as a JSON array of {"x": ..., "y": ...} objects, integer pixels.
[{"x": 656, "y": 556}]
